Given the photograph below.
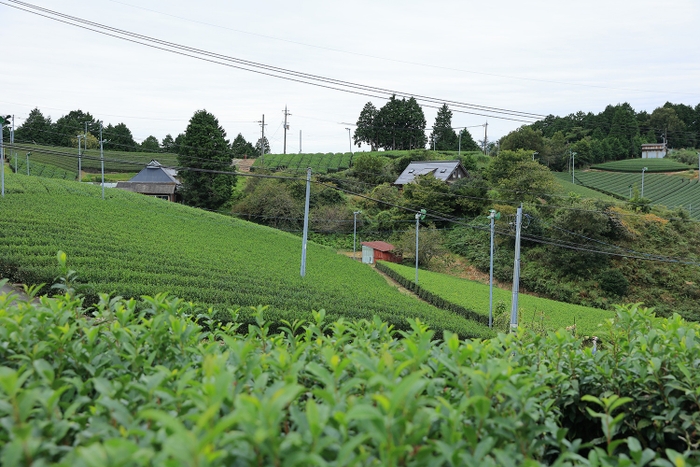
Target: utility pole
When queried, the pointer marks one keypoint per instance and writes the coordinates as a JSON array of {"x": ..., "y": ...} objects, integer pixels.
[
  {"x": 516, "y": 272},
  {"x": 299, "y": 141},
  {"x": 417, "y": 227},
  {"x": 102, "y": 161},
  {"x": 306, "y": 222},
  {"x": 80, "y": 168},
  {"x": 12, "y": 141},
  {"x": 354, "y": 232},
  {"x": 644, "y": 169},
  {"x": 3, "y": 121},
  {"x": 492, "y": 216},
  {"x": 486, "y": 138},
  {"x": 573, "y": 166},
  {"x": 28, "y": 154},
  {"x": 349, "y": 140},
  {"x": 286, "y": 127},
  {"x": 459, "y": 145},
  {"x": 262, "y": 143}
]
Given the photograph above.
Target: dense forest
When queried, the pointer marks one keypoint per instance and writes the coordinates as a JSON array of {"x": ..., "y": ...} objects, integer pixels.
[{"x": 613, "y": 134}]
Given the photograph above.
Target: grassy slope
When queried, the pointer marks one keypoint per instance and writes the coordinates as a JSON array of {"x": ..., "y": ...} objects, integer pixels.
[
  {"x": 585, "y": 192},
  {"x": 475, "y": 296},
  {"x": 133, "y": 245}
]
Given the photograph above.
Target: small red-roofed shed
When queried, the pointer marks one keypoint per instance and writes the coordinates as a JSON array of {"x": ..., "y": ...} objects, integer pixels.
[{"x": 375, "y": 251}]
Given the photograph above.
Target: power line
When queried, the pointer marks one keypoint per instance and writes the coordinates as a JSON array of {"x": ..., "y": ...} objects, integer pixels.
[{"x": 268, "y": 70}]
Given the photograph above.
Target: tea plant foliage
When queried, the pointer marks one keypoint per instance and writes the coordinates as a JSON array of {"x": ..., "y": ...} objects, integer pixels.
[{"x": 158, "y": 382}]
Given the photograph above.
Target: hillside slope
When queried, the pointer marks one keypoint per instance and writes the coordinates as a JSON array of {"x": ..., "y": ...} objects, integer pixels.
[{"x": 132, "y": 245}]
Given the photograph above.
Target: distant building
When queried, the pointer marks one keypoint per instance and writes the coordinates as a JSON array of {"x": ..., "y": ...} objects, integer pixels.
[
  {"x": 154, "y": 180},
  {"x": 447, "y": 171},
  {"x": 653, "y": 151},
  {"x": 375, "y": 251}
]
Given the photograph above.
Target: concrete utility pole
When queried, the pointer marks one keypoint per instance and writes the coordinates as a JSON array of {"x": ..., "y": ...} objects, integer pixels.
[
  {"x": 3, "y": 121},
  {"x": 573, "y": 166},
  {"x": 306, "y": 222},
  {"x": 417, "y": 227},
  {"x": 492, "y": 216},
  {"x": 354, "y": 232},
  {"x": 286, "y": 127},
  {"x": 486, "y": 138},
  {"x": 28, "y": 154},
  {"x": 12, "y": 141},
  {"x": 80, "y": 167},
  {"x": 102, "y": 161},
  {"x": 349, "y": 140},
  {"x": 644, "y": 169},
  {"x": 299, "y": 141},
  {"x": 516, "y": 272},
  {"x": 262, "y": 142}
]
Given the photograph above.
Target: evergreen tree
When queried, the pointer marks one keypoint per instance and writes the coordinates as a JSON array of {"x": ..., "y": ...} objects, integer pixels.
[
  {"x": 205, "y": 147},
  {"x": 70, "y": 125},
  {"x": 242, "y": 149},
  {"x": 119, "y": 138},
  {"x": 366, "y": 131},
  {"x": 443, "y": 137},
  {"x": 36, "y": 128},
  {"x": 150, "y": 144},
  {"x": 400, "y": 124},
  {"x": 262, "y": 143},
  {"x": 466, "y": 142},
  {"x": 168, "y": 144}
]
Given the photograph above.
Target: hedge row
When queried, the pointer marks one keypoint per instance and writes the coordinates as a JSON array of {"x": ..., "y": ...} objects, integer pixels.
[{"x": 433, "y": 299}]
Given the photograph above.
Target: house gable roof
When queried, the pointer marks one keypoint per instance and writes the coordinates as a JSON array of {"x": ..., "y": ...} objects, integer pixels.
[
  {"x": 442, "y": 170},
  {"x": 154, "y": 172}
]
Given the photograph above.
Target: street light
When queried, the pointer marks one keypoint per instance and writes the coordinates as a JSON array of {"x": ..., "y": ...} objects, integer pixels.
[
  {"x": 644, "y": 169},
  {"x": 349, "y": 140},
  {"x": 354, "y": 232}
]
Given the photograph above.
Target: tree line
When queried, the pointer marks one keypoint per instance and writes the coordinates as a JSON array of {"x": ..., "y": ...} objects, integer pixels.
[
  {"x": 613, "y": 134},
  {"x": 400, "y": 125},
  {"x": 64, "y": 132}
]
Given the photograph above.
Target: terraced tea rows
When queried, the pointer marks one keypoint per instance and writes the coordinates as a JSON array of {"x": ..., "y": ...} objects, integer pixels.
[
  {"x": 636, "y": 165},
  {"x": 133, "y": 245},
  {"x": 666, "y": 190},
  {"x": 319, "y": 163}
]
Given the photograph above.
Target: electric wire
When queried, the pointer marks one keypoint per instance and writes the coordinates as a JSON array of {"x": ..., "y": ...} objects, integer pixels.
[{"x": 268, "y": 70}]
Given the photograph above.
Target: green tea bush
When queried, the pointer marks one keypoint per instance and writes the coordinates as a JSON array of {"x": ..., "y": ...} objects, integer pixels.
[{"x": 141, "y": 383}]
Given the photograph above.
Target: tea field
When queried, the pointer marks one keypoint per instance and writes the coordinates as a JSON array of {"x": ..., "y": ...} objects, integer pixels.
[
  {"x": 67, "y": 158},
  {"x": 550, "y": 314},
  {"x": 319, "y": 163},
  {"x": 133, "y": 245},
  {"x": 666, "y": 190},
  {"x": 636, "y": 165},
  {"x": 141, "y": 383}
]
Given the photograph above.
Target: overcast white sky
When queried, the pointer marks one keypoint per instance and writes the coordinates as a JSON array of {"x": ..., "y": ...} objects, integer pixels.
[{"x": 544, "y": 57}]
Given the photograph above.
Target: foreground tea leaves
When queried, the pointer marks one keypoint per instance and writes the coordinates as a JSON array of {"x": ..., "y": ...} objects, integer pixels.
[{"x": 160, "y": 382}]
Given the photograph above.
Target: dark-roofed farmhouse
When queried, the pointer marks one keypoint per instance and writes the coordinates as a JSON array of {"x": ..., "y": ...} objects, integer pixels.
[
  {"x": 154, "y": 180},
  {"x": 447, "y": 171}
]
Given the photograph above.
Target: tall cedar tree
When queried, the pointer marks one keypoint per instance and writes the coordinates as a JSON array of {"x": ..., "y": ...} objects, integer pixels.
[
  {"x": 242, "y": 149},
  {"x": 366, "y": 131},
  {"x": 400, "y": 124},
  {"x": 73, "y": 123},
  {"x": 36, "y": 128},
  {"x": 443, "y": 137},
  {"x": 119, "y": 138},
  {"x": 205, "y": 147}
]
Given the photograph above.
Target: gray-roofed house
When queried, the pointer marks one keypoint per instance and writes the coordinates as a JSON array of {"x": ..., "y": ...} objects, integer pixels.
[
  {"x": 447, "y": 171},
  {"x": 154, "y": 180}
]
